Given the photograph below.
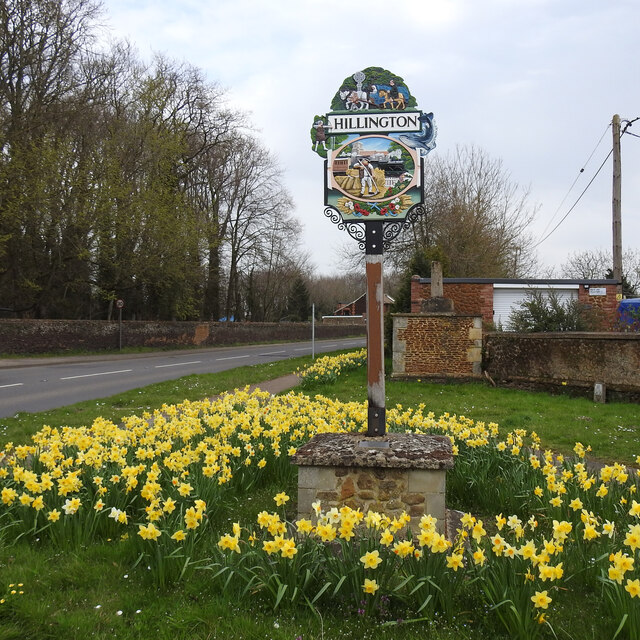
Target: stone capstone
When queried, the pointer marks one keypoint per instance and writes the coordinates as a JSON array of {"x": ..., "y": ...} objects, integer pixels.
[{"x": 391, "y": 451}]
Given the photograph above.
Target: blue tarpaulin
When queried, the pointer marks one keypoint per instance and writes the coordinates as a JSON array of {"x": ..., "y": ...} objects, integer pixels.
[{"x": 629, "y": 313}]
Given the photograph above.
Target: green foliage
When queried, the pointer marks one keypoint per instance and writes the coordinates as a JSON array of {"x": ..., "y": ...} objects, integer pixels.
[
  {"x": 121, "y": 180},
  {"x": 545, "y": 311},
  {"x": 298, "y": 303}
]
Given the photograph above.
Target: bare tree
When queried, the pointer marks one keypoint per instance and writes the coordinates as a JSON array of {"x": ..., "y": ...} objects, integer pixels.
[
  {"x": 253, "y": 200},
  {"x": 328, "y": 292},
  {"x": 595, "y": 264},
  {"x": 475, "y": 214}
]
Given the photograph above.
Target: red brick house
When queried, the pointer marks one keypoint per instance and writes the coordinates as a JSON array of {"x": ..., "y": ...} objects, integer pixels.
[
  {"x": 495, "y": 298},
  {"x": 358, "y": 307}
]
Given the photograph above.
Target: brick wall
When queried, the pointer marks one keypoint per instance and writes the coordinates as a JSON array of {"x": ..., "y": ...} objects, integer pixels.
[
  {"x": 606, "y": 306},
  {"x": 42, "y": 336},
  {"x": 475, "y": 297},
  {"x": 437, "y": 345},
  {"x": 572, "y": 361},
  {"x": 468, "y": 298}
]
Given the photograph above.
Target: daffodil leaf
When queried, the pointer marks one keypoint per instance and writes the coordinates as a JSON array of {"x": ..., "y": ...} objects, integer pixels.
[
  {"x": 322, "y": 590},
  {"x": 425, "y": 603}
]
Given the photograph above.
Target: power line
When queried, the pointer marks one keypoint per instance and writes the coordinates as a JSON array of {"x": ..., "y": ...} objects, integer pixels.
[
  {"x": 628, "y": 123},
  {"x": 575, "y": 203},
  {"x": 573, "y": 184}
]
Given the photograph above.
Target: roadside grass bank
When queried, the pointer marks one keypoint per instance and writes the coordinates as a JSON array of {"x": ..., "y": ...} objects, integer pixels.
[{"x": 612, "y": 429}]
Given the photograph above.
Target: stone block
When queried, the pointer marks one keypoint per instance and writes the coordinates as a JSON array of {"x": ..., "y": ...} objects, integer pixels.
[
  {"x": 317, "y": 478},
  {"x": 474, "y": 354},
  {"x": 424, "y": 482},
  {"x": 365, "y": 481},
  {"x": 435, "y": 506},
  {"x": 328, "y": 496},
  {"x": 416, "y": 511},
  {"x": 413, "y": 498},
  {"x": 306, "y": 497},
  {"x": 347, "y": 490}
]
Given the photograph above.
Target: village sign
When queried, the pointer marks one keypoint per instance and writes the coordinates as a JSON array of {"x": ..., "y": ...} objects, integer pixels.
[{"x": 374, "y": 142}]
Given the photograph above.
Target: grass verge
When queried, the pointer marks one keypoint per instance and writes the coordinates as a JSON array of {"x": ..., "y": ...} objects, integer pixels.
[
  {"x": 22, "y": 426},
  {"x": 102, "y": 590}
]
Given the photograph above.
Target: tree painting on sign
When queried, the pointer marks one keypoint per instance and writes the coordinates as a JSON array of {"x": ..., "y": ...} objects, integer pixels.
[{"x": 374, "y": 141}]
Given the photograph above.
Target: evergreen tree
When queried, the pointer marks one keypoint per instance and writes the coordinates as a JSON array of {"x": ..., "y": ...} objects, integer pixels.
[{"x": 298, "y": 303}]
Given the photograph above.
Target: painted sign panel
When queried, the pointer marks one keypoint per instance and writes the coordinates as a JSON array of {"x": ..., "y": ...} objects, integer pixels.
[{"x": 374, "y": 141}]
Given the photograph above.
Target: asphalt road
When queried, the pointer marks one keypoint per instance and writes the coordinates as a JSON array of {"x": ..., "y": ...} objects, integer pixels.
[{"x": 38, "y": 384}]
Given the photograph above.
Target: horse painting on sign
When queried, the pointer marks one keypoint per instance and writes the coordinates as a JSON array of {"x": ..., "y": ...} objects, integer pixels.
[{"x": 373, "y": 88}]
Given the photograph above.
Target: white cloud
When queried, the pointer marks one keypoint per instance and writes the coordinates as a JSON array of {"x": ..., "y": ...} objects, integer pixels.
[{"x": 533, "y": 82}]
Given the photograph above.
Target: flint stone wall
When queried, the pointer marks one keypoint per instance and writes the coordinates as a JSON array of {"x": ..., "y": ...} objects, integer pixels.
[
  {"x": 568, "y": 361},
  {"x": 437, "y": 345},
  {"x": 389, "y": 474},
  {"x": 43, "y": 336}
]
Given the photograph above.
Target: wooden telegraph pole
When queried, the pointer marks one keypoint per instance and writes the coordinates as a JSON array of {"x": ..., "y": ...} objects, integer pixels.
[{"x": 617, "y": 202}]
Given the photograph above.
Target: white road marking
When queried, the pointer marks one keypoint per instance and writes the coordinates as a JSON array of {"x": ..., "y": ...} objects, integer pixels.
[
  {"x": 231, "y": 358},
  {"x": 91, "y": 375},
  {"x": 15, "y": 384},
  {"x": 303, "y": 349},
  {"x": 177, "y": 364},
  {"x": 272, "y": 353}
]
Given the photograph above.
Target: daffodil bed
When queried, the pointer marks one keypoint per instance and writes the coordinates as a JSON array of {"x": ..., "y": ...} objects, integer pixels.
[
  {"x": 160, "y": 482},
  {"x": 328, "y": 368}
]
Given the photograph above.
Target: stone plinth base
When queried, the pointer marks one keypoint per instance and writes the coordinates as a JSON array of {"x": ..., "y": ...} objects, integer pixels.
[{"x": 390, "y": 474}]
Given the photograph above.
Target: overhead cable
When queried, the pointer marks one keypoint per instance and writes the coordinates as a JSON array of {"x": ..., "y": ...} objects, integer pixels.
[
  {"x": 575, "y": 180},
  {"x": 575, "y": 203}
]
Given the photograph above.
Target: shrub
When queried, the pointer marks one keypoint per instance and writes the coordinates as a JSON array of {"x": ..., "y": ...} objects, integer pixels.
[{"x": 545, "y": 312}]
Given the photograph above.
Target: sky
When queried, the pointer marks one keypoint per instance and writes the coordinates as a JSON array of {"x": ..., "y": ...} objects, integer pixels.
[{"x": 533, "y": 83}]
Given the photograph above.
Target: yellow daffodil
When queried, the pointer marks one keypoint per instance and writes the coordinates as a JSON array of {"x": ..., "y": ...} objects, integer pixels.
[
  {"x": 370, "y": 586},
  {"x": 540, "y": 600},
  {"x": 281, "y": 498},
  {"x": 633, "y": 588}
]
